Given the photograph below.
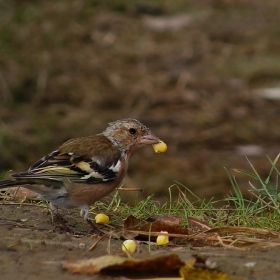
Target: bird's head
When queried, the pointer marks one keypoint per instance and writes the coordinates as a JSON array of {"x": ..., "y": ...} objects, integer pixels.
[{"x": 130, "y": 135}]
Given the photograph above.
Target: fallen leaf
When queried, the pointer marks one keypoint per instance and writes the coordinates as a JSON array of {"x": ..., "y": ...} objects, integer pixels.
[
  {"x": 172, "y": 219},
  {"x": 93, "y": 265},
  {"x": 198, "y": 225},
  {"x": 134, "y": 224},
  {"x": 194, "y": 273},
  {"x": 119, "y": 266}
]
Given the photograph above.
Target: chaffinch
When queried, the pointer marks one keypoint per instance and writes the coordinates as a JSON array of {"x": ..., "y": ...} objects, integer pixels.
[{"x": 83, "y": 170}]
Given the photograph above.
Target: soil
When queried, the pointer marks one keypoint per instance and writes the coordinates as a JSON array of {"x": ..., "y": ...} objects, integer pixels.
[{"x": 32, "y": 248}]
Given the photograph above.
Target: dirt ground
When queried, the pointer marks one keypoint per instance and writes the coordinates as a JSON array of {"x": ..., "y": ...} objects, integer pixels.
[{"x": 31, "y": 248}]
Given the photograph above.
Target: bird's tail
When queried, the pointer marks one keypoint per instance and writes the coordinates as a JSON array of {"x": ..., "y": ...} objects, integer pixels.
[
  {"x": 28, "y": 182},
  {"x": 8, "y": 183}
]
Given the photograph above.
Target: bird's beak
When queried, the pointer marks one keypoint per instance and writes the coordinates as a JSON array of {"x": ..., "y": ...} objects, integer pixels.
[{"x": 149, "y": 139}]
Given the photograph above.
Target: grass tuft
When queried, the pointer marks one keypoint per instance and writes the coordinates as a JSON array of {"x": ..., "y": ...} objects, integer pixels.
[{"x": 260, "y": 211}]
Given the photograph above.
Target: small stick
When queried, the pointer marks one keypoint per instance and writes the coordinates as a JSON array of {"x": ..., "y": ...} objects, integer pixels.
[
  {"x": 131, "y": 189},
  {"x": 95, "y": 243}
]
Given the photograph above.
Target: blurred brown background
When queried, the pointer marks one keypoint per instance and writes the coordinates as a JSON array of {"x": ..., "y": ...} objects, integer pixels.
[{"x": 204, "y": 75}]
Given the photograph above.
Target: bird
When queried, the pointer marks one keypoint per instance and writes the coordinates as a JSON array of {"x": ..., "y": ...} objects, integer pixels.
[{"x": 85, "y": 169}]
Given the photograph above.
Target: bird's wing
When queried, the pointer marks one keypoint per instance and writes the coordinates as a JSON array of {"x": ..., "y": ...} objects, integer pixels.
[{"x": 94, "y": 162}]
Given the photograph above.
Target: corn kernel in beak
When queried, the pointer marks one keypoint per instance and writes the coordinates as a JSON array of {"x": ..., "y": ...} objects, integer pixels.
[
  {"x": 160, "y": 147},
  {"x": 102, "y": 219},
  {"x": 129, "y": 246},
  {"x": 162, "y": 239}
]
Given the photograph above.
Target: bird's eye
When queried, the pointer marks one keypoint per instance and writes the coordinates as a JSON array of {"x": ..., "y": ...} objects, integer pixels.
[{"x": 132, "y": 131}]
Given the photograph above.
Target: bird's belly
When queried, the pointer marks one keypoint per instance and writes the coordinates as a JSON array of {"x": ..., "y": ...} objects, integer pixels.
[
  {"x": 60, "y": 201},
  {"x": 90, "y": 193},
  {"x": 59, "y": 197}
]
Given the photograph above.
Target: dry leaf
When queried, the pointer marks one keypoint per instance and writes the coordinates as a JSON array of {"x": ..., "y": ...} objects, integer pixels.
[
  {"x": 198, "y": 225},
  {"x": 134, "y": 224},
  {"x": 93, "y": 265},
  {"x": 194, "y": 273},
  {"x": 118, "y": 266}
]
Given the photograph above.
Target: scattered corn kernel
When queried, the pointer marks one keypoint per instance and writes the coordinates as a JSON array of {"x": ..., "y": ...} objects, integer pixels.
[
  {"x": 160, "y": 147},
  {"x": 129, "y": 246},
  {"x": 102, "y": 219},
  {"x": 162, "y": 239}
]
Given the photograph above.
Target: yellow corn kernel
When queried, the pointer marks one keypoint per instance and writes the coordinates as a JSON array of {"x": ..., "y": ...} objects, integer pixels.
[
  {"x": 163, "y": 239},
  {"x": 102, "y": 219},
  {"x": 160, "y": 147},
  {"x": 129, "y": 246}
]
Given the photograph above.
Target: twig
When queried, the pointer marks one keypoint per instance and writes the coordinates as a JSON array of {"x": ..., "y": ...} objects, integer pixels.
[
  {"x": 95, "y": 243},
  {"x": 131, "y": 189},
  {"x": 258, "y": 197}
]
